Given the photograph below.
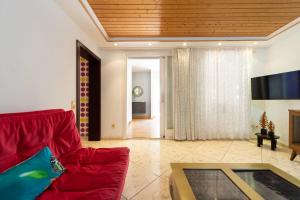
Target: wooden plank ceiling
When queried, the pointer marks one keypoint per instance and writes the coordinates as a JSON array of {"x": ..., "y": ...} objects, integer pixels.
[{"x": 194, "y": 18}]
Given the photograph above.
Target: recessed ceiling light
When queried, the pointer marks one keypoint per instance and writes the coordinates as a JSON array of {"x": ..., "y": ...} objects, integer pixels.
[
  {"x": 220, "y": 43},
  {"x": 150, "y": 44},
  {"x": 115, "y": 44},
  {"x": 184, "y": 44}
]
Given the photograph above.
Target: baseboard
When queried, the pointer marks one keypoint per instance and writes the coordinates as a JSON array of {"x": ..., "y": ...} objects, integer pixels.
[{"x": 169, "y": 134}]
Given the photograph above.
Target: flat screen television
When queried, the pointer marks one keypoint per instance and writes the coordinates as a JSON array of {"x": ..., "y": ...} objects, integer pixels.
[{"x": 281, "y": 86}]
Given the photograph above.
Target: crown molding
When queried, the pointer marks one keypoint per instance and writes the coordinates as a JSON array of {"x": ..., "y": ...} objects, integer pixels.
[{"x": 87, "y": 8}]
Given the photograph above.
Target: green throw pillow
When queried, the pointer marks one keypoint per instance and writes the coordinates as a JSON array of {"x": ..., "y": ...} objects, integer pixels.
[{"x": 30, "y": 178}]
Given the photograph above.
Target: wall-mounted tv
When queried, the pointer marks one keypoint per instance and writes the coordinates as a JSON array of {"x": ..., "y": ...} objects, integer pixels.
[{"x": 281, "y": 86}]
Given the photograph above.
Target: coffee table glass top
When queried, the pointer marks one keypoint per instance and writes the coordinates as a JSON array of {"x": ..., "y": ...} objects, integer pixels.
[
  {"x": 269, "y": 185},
  {"x": 195, "y": 181},
  {"x": 212, "y": 184}
]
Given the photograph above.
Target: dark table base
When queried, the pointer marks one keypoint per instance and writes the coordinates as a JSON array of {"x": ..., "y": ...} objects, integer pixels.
[{"x": 260, "y": 139}]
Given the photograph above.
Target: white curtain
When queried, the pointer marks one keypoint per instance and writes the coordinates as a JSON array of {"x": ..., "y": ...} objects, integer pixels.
[{"x": 211, "y": 93}]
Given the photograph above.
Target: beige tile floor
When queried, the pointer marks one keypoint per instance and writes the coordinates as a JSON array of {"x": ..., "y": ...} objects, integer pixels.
[
  {"x": 144, "y": 128},
  {"x": 149, "y": 167}
]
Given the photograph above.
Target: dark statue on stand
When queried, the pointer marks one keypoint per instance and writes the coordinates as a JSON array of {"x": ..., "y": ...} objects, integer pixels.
[
  {"x": 263, "y": 122},
  {"x": 265, "y": 134},
  {"x": 271, "y": 128}
]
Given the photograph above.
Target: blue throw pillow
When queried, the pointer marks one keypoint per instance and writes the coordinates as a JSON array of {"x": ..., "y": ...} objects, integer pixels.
[{"x": 30, "y": 178}]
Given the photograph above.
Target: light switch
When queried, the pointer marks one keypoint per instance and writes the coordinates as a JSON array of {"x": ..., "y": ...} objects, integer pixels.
[{"x": 73, "y": 105}]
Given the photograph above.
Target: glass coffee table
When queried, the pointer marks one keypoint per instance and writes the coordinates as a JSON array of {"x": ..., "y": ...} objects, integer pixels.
[{"x": 198, "y": 181}]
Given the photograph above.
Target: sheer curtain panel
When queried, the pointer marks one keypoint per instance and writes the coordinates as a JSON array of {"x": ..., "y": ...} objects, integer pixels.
[{"x": 211, "y": 93}]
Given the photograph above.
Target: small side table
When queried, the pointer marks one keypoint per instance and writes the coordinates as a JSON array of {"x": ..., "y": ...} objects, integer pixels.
[{"x": 273, "y": 139}]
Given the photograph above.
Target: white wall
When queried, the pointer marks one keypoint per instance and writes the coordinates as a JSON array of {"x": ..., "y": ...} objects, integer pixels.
[
  {"x": 281, "y": 56},
  {"x": 38, "y": 54},
  {"x": 143, "y": 79},
  {"x": 113, "y": 96},
  {"x": 38, "y": 60}
]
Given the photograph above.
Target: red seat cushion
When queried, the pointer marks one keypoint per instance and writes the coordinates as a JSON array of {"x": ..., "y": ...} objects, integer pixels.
[{"x": 91, "y": 174}]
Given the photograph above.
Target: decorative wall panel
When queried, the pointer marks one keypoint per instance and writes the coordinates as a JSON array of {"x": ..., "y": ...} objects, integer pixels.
[{"x": 84, "y": 97}]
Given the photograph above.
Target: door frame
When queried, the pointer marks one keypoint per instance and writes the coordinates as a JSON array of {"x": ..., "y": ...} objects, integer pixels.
[
  {"x": 162, "y": 69},
  {"x": 94, "y": 133}
]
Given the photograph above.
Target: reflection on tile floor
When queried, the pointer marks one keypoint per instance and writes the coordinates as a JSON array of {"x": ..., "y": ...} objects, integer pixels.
[
  {"x": 144, "y": 128},
  {"x": 149, "y": 167}
]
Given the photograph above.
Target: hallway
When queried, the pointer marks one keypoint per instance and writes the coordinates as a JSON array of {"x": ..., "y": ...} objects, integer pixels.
[{"x": 144, "y": 128}]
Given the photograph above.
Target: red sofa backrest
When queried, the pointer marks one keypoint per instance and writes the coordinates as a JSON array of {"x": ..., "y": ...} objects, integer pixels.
[
  {"x": 22, "y": 135},
  {"x": 30, "y": 113}
]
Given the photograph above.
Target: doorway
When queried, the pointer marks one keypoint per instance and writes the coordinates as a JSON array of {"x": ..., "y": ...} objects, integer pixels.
[
  {"x": 88, "y": 93},
  {"x": 143, "y": 97}
]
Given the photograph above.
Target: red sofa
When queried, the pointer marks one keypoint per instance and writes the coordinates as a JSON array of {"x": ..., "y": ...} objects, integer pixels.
[{"x": 90, "y": 173}]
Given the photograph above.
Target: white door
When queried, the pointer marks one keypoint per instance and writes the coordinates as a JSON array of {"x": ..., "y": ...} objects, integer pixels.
[
  {"x": 155, "y": 91},
  {"x": 129, "y": 92},
  {"x": 162, "y": 97}
]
